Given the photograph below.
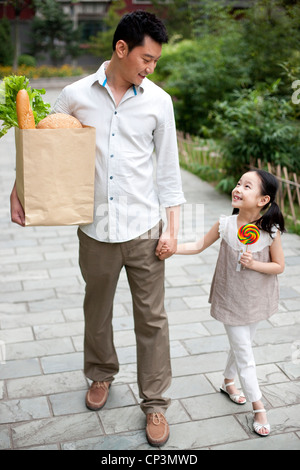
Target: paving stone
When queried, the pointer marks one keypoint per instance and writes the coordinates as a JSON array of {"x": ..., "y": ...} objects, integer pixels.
[
  {"x": 52, "y": 430},
  {"x": 51, "y": 283},
  {"x": 284, "y": 334},
  {"x": 46, "y": 347},
  {"x": 188, "y": 316},
  {"x": 286, "y": 318},
  {"x": 23, "y": 410},
  {"x": 191, "y": 330},
  {"x": 16, "y": 335},
  {"x": 286, "y": 441},
  {"x": 46, "y": 384},
  {"x": 205, "y": 345},
  {"x": 125, "y": 441},
  {"x": 198, "y": 364},
  {"x": 22, "y": 368},
  {"x": 11, "y": 321},
  {"x": 189, "y": 386},
  {"x": 68, "y": 403},
  {"x": 211, "y": 406},
  {"x": 56, "y": 304},
  {"x": 291, "y": 369},
  {"x": 62, "y": 363},
  {"x": 287, "y": 393},
  {"x": 4, "y": 438},
  {"x": 58, "y": 330},
  {"x": 199, "y": 434},
  {"x": 122, "y": 419},
  {"x": 1, "y": 389}
]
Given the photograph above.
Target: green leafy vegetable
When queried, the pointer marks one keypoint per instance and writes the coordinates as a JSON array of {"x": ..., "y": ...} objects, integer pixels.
[{"x": 8, "y": 92}]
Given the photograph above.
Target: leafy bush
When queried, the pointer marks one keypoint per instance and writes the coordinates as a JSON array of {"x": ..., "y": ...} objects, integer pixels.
[
  {"x": 228, "y": 54},
  {"x": 26, "y": 59},
  {"x": 6, "y": 46},
  {"x": 271, "y": 35},
  {"x": 257, "y": 124},
  {"x": 198, "y": 73}
]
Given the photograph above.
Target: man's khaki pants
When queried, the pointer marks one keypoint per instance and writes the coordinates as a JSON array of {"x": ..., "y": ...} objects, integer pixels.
[{"x": 100, "y": 265}]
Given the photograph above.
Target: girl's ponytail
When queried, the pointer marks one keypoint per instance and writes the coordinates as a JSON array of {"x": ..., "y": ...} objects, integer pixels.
[{"x": 271, "y": 217}]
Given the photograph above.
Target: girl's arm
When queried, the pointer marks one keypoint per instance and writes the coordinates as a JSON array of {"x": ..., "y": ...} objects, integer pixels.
[
  {"x": 275, "y": 266},
  {"x": 200, "y": 245}
]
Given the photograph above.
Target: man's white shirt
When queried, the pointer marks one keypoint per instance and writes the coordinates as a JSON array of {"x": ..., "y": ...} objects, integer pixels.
[{"x": 137, "y": 169}]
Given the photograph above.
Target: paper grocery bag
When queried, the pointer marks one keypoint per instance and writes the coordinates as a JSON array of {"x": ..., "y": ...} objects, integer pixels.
[{"x": 55, "y": 173}]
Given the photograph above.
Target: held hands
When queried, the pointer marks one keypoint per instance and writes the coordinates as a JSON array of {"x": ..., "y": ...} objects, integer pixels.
[
  {"x": 166, "y": 247},
  {"x": 167, "y": 243}
]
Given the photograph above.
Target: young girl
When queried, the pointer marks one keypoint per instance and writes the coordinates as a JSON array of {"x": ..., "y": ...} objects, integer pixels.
[{"x": 242, "y": 295}]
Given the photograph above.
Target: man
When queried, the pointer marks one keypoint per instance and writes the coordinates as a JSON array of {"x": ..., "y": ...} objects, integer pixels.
[{"x": 132, "y": 117}]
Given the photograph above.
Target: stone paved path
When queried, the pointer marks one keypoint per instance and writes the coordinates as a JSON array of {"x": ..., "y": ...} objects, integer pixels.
[{"x": 42, "y": 386}]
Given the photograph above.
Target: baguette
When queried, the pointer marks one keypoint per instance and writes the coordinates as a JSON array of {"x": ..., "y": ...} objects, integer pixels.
[
  {"x": 24, "y": 111},
  {"x": 59, "y": 121}
]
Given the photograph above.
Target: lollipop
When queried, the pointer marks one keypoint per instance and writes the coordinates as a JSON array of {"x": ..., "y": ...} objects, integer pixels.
[{"x": 248, "y": 234}]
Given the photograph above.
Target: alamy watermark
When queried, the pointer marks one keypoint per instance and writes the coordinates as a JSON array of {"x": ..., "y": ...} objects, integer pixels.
[
  {"x": 2, "y": 352},
  {"x": 296, "y": 94},
  {"x": 125, "y": 220},
  {"x": 296, "y": 352}
]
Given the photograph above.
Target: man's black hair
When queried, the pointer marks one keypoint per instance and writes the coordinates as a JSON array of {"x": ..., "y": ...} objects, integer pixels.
[{"x": 133, "y": 28}]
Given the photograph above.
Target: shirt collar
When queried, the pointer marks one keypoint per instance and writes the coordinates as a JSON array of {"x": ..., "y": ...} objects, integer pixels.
[{"x": 100, "y": 77}]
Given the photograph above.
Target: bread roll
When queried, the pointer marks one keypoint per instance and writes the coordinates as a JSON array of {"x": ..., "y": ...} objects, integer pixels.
[
  {"x": 24, "y": 111},
  {"x": 59, "y": 121}
]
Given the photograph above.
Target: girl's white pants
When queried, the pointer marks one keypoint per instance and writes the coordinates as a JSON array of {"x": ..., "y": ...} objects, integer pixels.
[{"x": 241, "y": 359}]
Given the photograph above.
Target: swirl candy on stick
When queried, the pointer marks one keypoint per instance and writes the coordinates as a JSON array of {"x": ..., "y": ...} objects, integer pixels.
[{"x": 247, "y": 234}]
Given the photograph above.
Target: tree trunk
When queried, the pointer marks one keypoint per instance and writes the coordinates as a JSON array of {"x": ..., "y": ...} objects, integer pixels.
[{"x": 17, "y": 43}]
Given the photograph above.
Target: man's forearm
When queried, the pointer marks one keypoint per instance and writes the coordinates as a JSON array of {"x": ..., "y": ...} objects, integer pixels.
[
  {"x": 173, "y": 218},
  {"x": 169, "y": 237}
]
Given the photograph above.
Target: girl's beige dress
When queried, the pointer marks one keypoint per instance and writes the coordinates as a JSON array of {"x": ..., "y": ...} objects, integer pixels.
[{"x": 245, "y": 296}]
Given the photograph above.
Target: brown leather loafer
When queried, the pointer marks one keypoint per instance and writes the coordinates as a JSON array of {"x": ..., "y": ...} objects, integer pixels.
[
  {"x": 97, "y": 395},
  {"x": 157, "y": 430}
]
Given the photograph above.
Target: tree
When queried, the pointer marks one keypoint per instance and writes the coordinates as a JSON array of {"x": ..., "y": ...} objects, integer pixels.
[
  {"x": 271, "y": 37},
  {"x": 18, "y": 6},
  {"x": 101, "y": 44},
  {"x": 53, "y": 32},
  {"x": 178, "y": 15},
  {"x": 6, "y": 47}
]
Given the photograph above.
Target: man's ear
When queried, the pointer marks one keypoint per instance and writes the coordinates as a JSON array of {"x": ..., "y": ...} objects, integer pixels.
[
  {"x": 121, "y": 49},
  {"x": 264, "y": 200}
]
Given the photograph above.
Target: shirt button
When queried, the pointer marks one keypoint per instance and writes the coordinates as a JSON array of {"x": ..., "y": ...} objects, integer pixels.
[
  {"x": 111, "y": 177},
  {"x": 111, "y": 198},
  {"x": 112, "y": 156},
  {"x": 113, "y": 135},
  {"x": 116, "y": 112}
]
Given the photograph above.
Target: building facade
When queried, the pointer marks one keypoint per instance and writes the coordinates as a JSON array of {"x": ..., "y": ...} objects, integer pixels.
[{"x": 88, "y": 14}]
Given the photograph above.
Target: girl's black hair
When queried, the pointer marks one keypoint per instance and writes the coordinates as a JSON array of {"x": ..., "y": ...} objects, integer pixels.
[{"x": 273, "y": 215}]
